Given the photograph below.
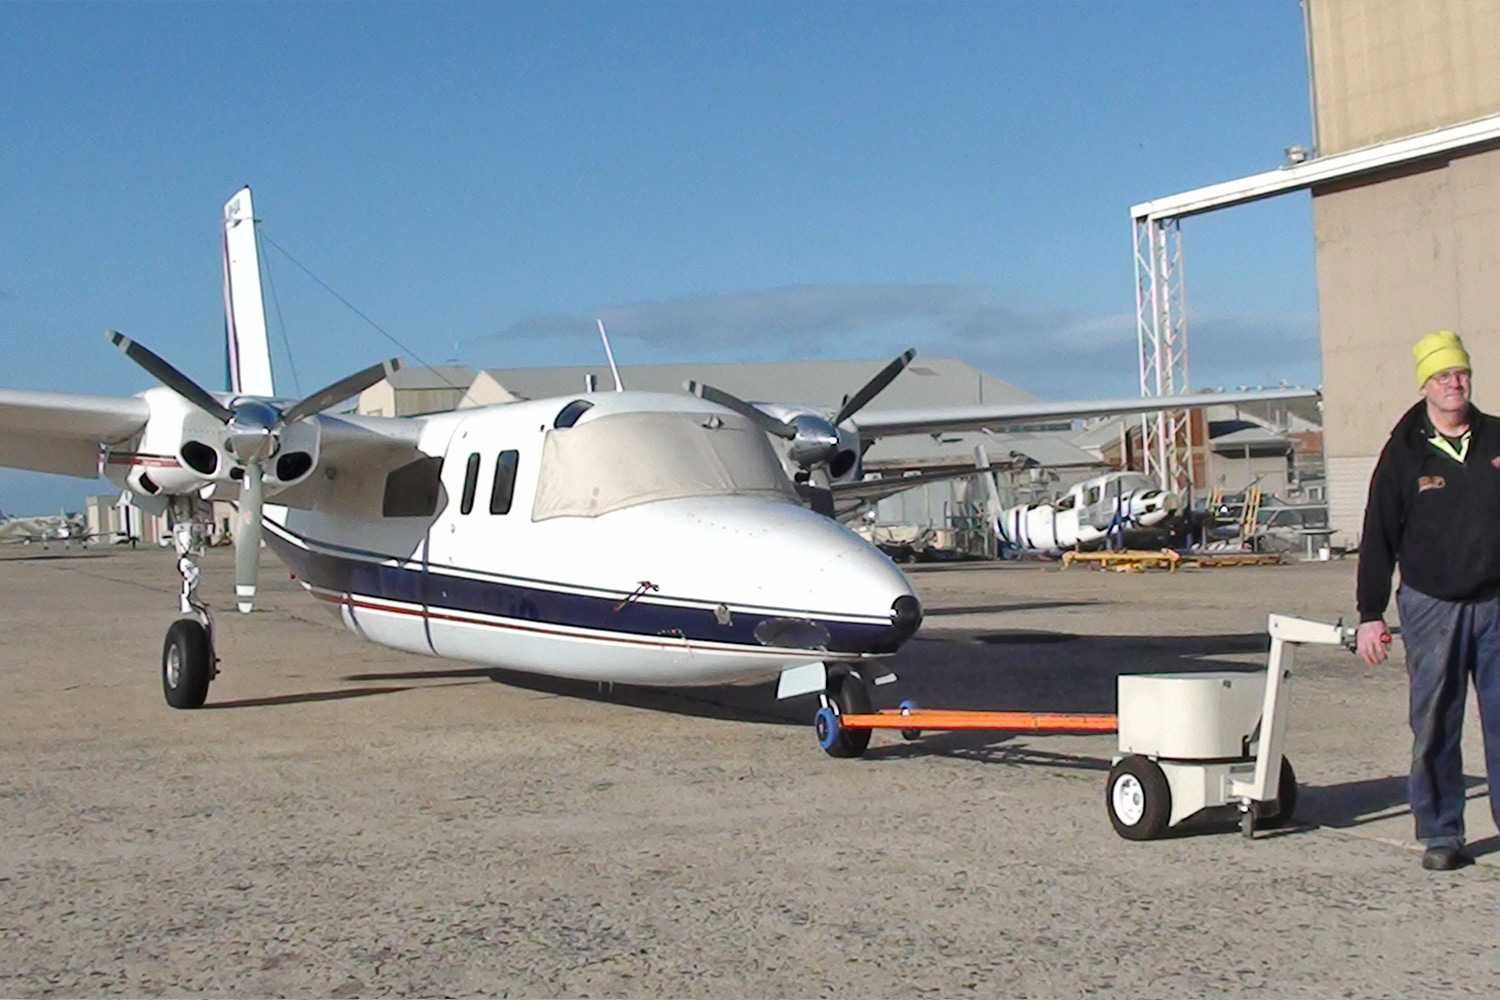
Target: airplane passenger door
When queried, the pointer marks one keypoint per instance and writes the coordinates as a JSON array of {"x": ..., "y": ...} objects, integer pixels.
[{"x": 465, "y": 588}]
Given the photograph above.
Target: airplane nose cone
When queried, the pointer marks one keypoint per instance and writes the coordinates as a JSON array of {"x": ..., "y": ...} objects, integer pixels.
[
  {"x": 906, "y": 618},
  {"x": 790, "y": 578},
  {"x": 906, "y": 615}
]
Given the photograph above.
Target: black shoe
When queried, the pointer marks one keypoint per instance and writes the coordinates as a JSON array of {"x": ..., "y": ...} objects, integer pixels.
[{"x": 1445, "y": 859}]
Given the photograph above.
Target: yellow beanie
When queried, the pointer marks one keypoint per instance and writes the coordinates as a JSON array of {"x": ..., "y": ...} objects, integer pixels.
[{"x": 1438, "y": 352}]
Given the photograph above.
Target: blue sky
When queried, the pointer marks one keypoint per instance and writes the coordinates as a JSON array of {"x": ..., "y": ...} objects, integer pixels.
[{"x": 720, "y": 181}]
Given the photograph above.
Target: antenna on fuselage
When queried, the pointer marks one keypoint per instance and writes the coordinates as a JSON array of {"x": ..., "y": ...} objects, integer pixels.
[{"x": 610, "y": 355}]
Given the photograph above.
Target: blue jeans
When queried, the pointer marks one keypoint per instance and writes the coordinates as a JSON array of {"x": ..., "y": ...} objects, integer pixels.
[{"x": 1447, "y": 642}]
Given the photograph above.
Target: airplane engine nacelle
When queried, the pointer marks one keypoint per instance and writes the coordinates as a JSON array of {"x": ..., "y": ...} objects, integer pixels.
[
  {"x": 1150, "y": 507},
  {"x": 183, "y": 450},
  {"x": 812, "y": 423}
]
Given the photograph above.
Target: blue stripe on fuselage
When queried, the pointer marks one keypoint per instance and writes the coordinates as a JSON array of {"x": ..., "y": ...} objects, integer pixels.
[{"x": 329, "y": 570}]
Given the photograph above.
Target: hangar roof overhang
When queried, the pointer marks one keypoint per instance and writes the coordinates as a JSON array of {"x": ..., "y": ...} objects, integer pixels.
[{"x": 1321, "y": 170}]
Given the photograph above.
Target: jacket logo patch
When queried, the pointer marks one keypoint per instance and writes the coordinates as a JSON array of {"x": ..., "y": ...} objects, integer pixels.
[{"x": 1432, "y": 483}]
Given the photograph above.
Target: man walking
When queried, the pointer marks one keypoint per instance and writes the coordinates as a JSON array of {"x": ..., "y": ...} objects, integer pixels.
[{"x": 1434, "y": 510}]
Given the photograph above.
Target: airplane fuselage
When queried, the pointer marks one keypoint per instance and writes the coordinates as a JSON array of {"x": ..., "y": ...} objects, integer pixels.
[{"x": 618, "y": 537}]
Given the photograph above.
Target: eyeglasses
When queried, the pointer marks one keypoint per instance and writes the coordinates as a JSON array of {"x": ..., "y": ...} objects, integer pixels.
[{"x": 1452, "y": 377}]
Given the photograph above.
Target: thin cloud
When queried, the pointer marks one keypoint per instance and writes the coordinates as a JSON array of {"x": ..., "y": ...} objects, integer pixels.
[
  {"x": 1057, "y": 353},
  {"x": 793, "y": 315}
]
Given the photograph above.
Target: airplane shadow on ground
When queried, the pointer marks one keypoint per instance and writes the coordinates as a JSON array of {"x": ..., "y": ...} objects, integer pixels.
[
  {"x": 44, "y": 555},
  {"x": 315, "y": 696},
  {"x": 1012, "y": 670},
  {"x": 756, "y": 703}
]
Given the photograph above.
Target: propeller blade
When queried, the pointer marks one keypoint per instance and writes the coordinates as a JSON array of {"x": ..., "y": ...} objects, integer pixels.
[
  {"x": 247, "y": 538},
  {"x": 171, "y": 377},
  {"x": 351, "y": 385},
  {"x": 873, "y": 388},
  {"x": 768, "y": 423}
]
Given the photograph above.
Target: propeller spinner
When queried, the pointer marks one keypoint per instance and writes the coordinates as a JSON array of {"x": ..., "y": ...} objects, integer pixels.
[{"x": 254, "y": 429}]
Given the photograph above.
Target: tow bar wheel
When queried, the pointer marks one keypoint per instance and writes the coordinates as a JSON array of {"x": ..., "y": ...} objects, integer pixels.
[{"x": 1138, "y": 798}]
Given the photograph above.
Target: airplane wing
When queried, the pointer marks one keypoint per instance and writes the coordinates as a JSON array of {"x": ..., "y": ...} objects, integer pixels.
[
  {"x": 883, "y": 423},
  {"x": 850, "y": 498},
  {"x": 62, "y": 432},
  {"x": 353, "y": 446}
]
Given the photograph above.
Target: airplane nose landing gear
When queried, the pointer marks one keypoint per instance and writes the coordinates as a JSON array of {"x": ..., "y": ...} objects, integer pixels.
[
  {"x": 188, "y": 663},
  {"x": 847, "y": 694}
]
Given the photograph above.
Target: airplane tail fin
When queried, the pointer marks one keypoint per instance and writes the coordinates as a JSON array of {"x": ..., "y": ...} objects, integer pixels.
[{"x": 247, "y": 348}]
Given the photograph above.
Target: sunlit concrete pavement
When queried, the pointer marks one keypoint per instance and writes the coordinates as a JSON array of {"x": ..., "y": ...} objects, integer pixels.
[{"x": 344, "y": 820}]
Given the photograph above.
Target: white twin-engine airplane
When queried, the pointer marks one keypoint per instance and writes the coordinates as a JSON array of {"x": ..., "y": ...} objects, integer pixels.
[{"x": 629, "y": 537}]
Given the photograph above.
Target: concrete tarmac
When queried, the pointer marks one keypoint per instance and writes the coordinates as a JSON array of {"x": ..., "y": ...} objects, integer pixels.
[{"x": 344, "y": 820}]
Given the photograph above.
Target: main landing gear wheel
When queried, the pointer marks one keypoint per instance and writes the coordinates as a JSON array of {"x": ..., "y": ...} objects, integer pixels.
[
  {"x": 1138, "y": 798},
  {"x": 187, "y": 664},
  {"x": 846, "y": 696},
  {"x": 1279, "y": 814}
]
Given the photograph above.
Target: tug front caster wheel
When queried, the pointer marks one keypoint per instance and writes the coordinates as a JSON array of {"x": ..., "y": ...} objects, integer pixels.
[
  {"x": 1138, "y": 798},
  {"x": 846, "y": 696},
  {"x": 1274, "y": 815},
  {"x": 1286, "y": 798},
  {"x": 187, "y": 664}
]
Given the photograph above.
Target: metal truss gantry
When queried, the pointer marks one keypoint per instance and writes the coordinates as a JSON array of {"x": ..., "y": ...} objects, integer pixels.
[
  {"x": 1160, "y": 312},
  {"x": 1161, "y": 335}
]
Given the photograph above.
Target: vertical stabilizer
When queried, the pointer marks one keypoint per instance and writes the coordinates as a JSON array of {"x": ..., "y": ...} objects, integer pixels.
[{"x": 249, "y": 351}]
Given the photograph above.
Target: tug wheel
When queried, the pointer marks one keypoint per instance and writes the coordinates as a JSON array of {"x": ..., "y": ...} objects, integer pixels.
[
  {"x": 187, "y": 664},
  {"x": 1138, "y": 798}
]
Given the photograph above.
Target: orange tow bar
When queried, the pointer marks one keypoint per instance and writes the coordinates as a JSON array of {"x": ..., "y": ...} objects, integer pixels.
[
  {"x": 952, "y": 718},
  {"x": 848, "y": 735}
]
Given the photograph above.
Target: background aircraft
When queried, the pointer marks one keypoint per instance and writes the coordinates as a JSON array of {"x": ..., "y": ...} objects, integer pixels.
[
  {"x": 61, "y": 527},
  {"x": 1128, "y": 506}
]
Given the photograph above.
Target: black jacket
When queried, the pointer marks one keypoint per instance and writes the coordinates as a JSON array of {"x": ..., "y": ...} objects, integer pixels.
[{"x": 1439, "y": 518}]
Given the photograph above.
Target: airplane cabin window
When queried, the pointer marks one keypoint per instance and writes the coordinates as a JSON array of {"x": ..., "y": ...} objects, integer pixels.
[
  {"x": 413, "y": 489},
  {"x": 471, "y": 481},
  {"x": 568, "y": 415},
  {"x": 505, "y": 481}
]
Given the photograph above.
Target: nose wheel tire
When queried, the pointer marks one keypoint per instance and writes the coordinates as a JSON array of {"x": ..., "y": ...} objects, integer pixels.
[
  {"x": 846, "y": 695},
  {"x": 1138, "y": 798},
  {"x": 187, "y": 664}
]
